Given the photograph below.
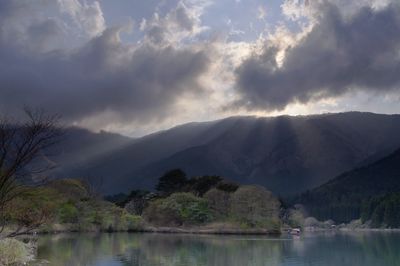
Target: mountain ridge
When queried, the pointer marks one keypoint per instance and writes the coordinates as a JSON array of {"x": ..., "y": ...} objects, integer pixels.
[{"x": 276, "y": 152}]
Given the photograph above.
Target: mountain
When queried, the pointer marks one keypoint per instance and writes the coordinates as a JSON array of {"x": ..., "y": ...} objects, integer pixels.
[
  {"x": 79, "y": 147},
  {"x": 287, "y": 154},
  {"x": 341, "y": 199}
]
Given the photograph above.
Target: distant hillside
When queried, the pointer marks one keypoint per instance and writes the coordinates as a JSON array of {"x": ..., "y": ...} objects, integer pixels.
[
  {"x": 78, "y": 147},
  {"x": 286, "y": 154},
  {"x": 341, "y": 198}
]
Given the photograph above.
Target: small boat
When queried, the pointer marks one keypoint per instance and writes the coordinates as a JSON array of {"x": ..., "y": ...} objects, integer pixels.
[{"x": 295, "y": 231}]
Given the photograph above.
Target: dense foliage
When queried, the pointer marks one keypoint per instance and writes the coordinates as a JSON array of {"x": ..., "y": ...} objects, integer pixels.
[
  {"x": 342, "y": 198},
  {"x": 211, "y": 199},
  {"x": 172, "y": 181},
  {"x": 219, "y": 202},
  {"x": 256, "y": 207},
  {"x": 382, "y": 211},
  {"x": 66, "y": 205},
  {"x": 179, "y": 209},
  {"x": 176, "y": 181},
  {"x": 69, "y": 205}
]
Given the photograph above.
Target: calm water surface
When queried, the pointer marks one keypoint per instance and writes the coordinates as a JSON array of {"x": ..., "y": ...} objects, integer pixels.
[{"x": 327, "y": 249}]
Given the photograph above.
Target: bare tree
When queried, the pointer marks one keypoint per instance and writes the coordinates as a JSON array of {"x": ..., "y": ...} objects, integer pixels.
[
  {"x": 29, "y": 211},
  {"x": 23, "y": 157}
]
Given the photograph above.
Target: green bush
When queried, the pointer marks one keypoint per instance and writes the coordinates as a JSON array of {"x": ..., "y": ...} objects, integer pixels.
[
  {"x": 34, "y": 207},
  {"x": 157, "y": 214},
  {"x": 68, "y": 213},
  {"x": 255, "y": 206},
  {"x": 15, "y": 252},
  {"x": 219, "y": 202},
  {"x": 131, "y": 222},
  {"x": 190, "y": 208},
  {"x": 178, "y": 209},
  {"x": 108, "y": 217}
]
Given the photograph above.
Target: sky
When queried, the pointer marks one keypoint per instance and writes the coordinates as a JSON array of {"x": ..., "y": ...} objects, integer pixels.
[{"x": 136, "y": 67}]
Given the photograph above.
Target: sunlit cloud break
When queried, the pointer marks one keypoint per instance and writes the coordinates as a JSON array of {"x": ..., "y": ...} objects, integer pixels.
[{"x": 141, "y": 66}]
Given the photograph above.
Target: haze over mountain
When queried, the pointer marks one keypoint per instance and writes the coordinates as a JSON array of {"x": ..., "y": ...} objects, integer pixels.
[{"x": 286, "y": 154}]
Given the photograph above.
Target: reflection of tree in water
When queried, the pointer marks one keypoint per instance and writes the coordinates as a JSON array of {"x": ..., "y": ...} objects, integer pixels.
[
  {"x": 158, "y": 250},
  {"x": 75, "y": 249},
  {"x": 385, "y": 246},
  {"x": 171, "y": 250},
  {"x": 200, "y": 250}
]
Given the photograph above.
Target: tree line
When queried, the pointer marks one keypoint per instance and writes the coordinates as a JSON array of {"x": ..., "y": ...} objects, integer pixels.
[{"x": 182, "y": 201}]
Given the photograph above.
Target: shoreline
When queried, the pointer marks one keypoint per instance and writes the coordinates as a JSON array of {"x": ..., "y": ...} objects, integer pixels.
[
  {"x": 169, "y": 230},
  {"x": 210, "y": 231},
  {"x": 382, "y": 230},
  {"x": 219, "y": 231},
  {"x": 394, "y": 230},
  {"x": 206, "y": 230}
]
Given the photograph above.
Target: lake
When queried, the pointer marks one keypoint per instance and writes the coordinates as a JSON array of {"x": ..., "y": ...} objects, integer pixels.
[{"x": 319, "y": 249}]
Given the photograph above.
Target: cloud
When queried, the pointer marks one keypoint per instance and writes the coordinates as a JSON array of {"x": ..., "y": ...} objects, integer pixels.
[
  {"x": 177, "y": 64},
  {"x": 133, "y": 82},
  {"x": 180, "y": 24},
  {"x": 338, "y": 54},
  {"x": 88, "y": 17},
  {"x": 297, "y": 10}
]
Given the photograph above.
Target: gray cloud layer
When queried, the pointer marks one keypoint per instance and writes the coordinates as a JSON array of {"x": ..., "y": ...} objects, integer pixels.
[
  {"x": 338, "y": 55},
  {"x": 63, "y": 56},
  {"x": 136, "y": 82}
]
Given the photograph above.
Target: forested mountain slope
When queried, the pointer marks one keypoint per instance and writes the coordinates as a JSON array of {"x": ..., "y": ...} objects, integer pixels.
[
  {"x": 341, "y": 199},
  {"x": 287, "y": 154}
]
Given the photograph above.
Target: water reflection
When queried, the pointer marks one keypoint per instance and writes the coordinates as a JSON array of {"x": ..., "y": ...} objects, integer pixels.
[{"x": 343, "y": 249}]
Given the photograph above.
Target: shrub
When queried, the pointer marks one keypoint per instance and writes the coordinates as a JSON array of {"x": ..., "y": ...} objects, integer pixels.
[
  {"x": 68, "y": 213},
  {"x": 255, "y": 206},
  {"x": 131, "y": 222},
  {"x": 15, "y": 252},
  {"x": 311, "y": 222},
  {"x": 157, "y": 214},
  {"x": 219, "y": 202},
  {"x": 105, "y": 216},
  {"x": 36, "y": 207},
  {"x": 189, "y": 208},
  {"x": 296, "y": 217},
  {"x": 178, "y": 209},
  {"x": 136, "y": 206}
]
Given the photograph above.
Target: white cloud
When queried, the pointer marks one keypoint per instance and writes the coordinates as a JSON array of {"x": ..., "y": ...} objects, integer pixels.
[
  {"x": 180, "y": 24},
  {"x": 262, "y": 12},
  {"x": 87, "y": 16},
  {"x": 297, "y": 10}
]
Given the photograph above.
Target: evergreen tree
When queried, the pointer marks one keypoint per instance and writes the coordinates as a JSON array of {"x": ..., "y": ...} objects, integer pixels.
[{"x": 172, "y": 181}]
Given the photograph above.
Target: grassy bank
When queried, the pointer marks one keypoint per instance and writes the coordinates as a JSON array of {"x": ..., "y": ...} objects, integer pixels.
[{"x": 15, "y": 252}]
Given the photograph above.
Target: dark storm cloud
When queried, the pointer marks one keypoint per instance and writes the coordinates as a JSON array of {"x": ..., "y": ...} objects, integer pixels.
[
  {"x": 339, "y": 54},
  {"x": 136, "y": 82}
]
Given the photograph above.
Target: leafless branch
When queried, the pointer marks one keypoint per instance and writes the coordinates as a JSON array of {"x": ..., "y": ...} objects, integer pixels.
[{"x": 22, "y": 152}]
